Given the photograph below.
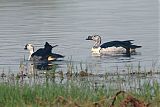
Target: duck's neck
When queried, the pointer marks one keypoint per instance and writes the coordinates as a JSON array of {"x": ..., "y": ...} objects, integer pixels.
[
  {"x": 97, "y": 43},
  {"x": 30, "y": 53}
]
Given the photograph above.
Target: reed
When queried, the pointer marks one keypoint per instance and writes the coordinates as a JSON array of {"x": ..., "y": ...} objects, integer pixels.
[
  {"x": 82, "y": 93},
  {"x": 80, "y": 88}
]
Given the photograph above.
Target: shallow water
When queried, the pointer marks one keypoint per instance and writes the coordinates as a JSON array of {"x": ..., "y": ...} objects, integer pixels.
[{"x": 68, "y": 23}]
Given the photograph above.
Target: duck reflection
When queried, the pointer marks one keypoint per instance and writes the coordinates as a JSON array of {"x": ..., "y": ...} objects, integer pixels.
[
  {"x": 42, "y": 65},
  {"x": 33, "y": 68}
]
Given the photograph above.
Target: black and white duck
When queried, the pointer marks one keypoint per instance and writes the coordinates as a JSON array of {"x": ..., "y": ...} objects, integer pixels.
[
  {"x": 113, "y": 47},
  {"x": 42, "y": 54}
]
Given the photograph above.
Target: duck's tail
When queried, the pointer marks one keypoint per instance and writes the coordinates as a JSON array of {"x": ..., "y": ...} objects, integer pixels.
[
  {"x": 135, "y": 46},
  {"x": 128, "y": 49}
]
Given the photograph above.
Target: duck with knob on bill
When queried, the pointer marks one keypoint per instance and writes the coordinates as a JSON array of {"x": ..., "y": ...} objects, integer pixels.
[
  {"x": 113, "y": 47},
  {"x": 42, "y": 54}
]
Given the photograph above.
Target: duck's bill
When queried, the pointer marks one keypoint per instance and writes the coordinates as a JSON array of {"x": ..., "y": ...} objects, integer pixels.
[
  {"x": 25, "y": 48},
  {"x": 89, "y": 38}
]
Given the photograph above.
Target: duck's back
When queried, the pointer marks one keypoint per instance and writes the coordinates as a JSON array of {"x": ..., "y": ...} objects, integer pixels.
[
  {"x": 39, "y": 52},
  {"x": 124, "y": 44}
]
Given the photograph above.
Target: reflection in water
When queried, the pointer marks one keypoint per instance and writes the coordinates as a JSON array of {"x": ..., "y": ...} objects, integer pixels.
[
  {"x": 43, "y": 66},
  {"x": 30, "y": 67},
  {"x": 115, "y": 55},
  {"x": 126, "y": 81}
]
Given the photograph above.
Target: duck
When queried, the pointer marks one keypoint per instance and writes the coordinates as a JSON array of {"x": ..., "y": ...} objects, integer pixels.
[
  {"x": 42, "y": 54},
  {"x": 112, "y": 47}
]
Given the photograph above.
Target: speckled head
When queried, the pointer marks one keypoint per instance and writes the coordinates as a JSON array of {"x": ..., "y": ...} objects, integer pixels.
[
  {"x": 96, "y": 39},
  {"x": 29, "y": 47}
]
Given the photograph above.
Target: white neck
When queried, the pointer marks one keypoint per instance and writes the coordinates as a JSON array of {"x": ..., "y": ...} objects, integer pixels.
[
  {"x": 30, "y": 53},
  {"x": 97, "y": 43}
]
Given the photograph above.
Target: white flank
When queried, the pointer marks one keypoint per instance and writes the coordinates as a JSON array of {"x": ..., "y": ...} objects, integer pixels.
[
  {"x": 110, "y": 50},
  {"x": 51, "y": 58}
]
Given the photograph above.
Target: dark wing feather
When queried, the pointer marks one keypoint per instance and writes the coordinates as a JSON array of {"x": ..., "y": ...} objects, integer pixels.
[
  {"x": 54, "y": 55},
  {"x": 128, "y": 41},
  {"x": 135, "y": 46},
  {"x": 116, "y": 44},
  {"x": 39, "y": 52},
  {"x": 125, "y": 44}
]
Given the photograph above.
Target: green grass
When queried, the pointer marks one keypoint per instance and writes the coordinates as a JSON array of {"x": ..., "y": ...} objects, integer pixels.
[
  {"x": 23, "y": 95},
  {"x": 44, "y": 91}
]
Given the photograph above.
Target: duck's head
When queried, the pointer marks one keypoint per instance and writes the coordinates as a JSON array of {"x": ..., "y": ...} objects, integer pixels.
[
  {"x": 29, "y": 47},
  {"x": 95, "y": 38}
]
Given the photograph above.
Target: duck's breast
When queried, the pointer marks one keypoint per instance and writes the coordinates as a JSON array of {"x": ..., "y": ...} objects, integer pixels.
[{"x": 96, "y": 50}]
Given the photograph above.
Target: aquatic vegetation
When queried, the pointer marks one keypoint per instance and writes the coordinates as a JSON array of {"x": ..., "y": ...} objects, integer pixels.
[
  {"x": 80, "y": 87},
  {"x": 68, "y": 96},
  {"x": 75, "y": 93}
]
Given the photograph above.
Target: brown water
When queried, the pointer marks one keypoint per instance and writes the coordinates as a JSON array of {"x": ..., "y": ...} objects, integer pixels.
[{"x": 68, "y": 23}]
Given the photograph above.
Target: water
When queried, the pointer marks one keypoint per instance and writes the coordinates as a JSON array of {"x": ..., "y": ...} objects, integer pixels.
[{"x": 68, "y": 23}]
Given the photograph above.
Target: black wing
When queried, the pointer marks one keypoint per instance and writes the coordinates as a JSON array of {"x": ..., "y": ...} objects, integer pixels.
[
  {"x": 54, "y": 55},
  {"x": 116, "y": 44},
  {"x": 125, "y": 44},
  {"x": 41, "y": 52}
]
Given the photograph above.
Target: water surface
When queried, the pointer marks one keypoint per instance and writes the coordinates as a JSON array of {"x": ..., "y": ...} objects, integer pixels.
[{"x": 68, "y": 23}]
